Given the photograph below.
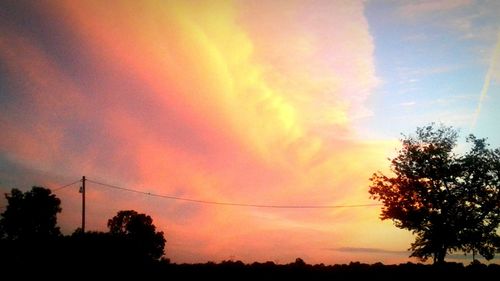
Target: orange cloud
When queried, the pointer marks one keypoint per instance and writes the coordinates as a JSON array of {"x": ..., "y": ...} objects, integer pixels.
[{"x": 221, "y": 101}]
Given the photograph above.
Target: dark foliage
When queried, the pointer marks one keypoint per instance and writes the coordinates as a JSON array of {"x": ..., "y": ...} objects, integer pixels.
[
  {"x": 140, "y": 232},
  {"x": 100, "y": 255},
  {"x": 30, "y": 215},
  {"x": 119, "y": 254},
  {"x": 237, "y": 270}
]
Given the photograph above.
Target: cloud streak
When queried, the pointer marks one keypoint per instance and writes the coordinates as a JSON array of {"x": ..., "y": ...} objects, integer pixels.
[
  {"x": 368, "y": 250},
  {"x": 487, "y": 80}
]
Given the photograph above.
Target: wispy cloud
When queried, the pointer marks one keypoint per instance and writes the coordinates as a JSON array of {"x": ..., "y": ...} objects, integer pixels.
[
  {"x": 408, "y": 104},
  {"x": 469, "y": 20},
  {"x": 415, "y": 9},
  {"x": 368, "y": 250}
]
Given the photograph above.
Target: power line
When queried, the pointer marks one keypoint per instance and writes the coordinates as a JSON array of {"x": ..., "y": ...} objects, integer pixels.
[
  {"x": 54, "y": 190},
  {"x": 65, "y": 186},
  {"x": 230, "y": 203}
]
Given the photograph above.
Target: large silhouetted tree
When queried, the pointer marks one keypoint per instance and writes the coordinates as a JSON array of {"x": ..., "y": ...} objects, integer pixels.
[
  {"x": 450, "y": 202},
  {"x": 140, "y": 230},
  {"x": 30, "y": 215}
]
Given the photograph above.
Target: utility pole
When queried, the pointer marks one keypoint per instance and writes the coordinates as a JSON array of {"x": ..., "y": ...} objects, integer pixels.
[{"x": 83, "y": 204}]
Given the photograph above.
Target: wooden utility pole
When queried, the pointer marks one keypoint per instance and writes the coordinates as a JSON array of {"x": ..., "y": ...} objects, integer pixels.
[{"x": 83, "y": 204}]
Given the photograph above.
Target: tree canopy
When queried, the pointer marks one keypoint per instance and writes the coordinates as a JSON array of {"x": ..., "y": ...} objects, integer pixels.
[
  {"x": 30, "y": 215},
  {"x": 138, "y": 228},
  {"x": 450, "y": 202}
]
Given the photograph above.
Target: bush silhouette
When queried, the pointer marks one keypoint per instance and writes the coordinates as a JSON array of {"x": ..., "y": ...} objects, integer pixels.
[{"x": 30, "y": 215}]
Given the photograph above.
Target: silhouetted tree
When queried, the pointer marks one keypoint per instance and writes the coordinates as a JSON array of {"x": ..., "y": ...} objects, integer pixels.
[
  {"x": 299, "y": 262},
  {"x": 30, "y": 215},
  {"x": 450, "y": 202},
  {"x": 139, "y": 229}
]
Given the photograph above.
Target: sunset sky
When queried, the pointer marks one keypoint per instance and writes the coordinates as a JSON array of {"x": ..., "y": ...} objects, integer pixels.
[{"x": 251, "y": 102}]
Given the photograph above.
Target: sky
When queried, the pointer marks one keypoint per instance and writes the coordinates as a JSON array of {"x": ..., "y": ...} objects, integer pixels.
[{"x": 249, "y": 102}]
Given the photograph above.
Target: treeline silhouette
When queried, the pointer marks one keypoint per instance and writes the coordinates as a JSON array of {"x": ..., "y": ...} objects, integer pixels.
[
  {"x": 31, "y": 241},
  {"x": 31, "y": 245},
  {"x": 96, "y": 254},
  {"x": 79, "y": 252},
  {"x": 299, "y": 270}
]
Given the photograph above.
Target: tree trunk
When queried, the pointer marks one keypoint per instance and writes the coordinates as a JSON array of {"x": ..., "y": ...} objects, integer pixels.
[{"x": 439, "y": 258}]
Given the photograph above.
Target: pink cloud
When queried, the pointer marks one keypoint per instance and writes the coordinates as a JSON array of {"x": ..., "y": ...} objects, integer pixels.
[{"x": 228, "y": 102}]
